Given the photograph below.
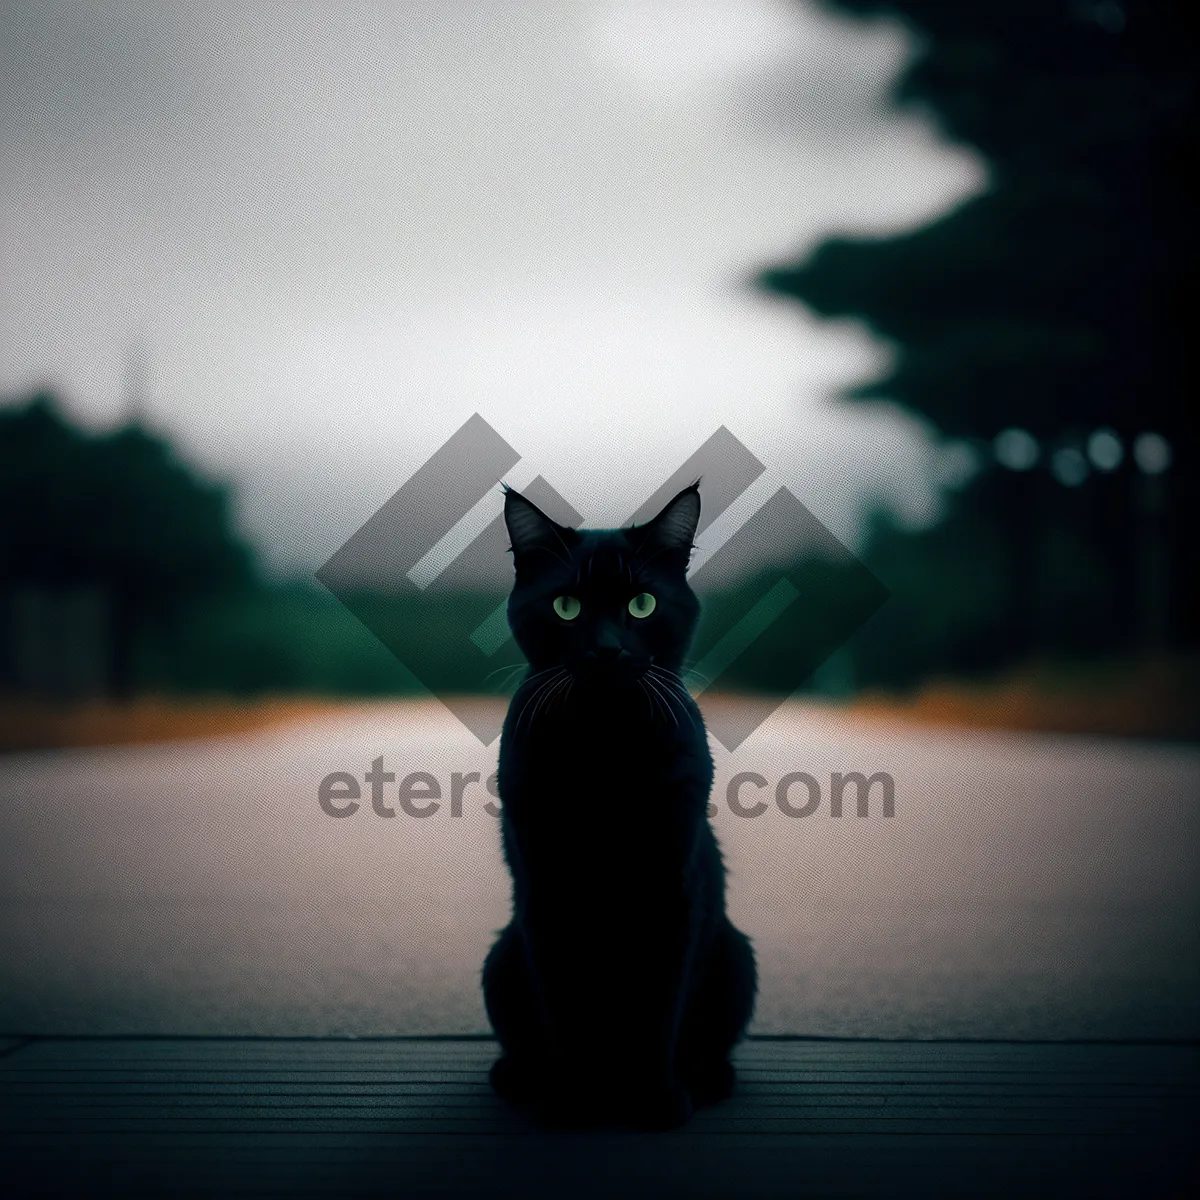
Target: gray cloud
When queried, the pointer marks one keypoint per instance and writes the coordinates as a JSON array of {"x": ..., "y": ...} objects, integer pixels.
[{"x": 342, "y": 229}]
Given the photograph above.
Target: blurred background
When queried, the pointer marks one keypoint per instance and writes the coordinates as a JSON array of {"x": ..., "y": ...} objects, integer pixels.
[{"x": 928, "y": 261}]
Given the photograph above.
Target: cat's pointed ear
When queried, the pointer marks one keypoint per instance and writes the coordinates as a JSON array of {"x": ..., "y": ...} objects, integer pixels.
[
  {"x": 674, "y": 529},
  {"x": 530, "y": 529}
]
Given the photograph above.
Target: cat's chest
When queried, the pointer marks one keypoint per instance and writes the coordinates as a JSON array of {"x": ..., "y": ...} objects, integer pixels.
[{"x": 596, "y": 763}]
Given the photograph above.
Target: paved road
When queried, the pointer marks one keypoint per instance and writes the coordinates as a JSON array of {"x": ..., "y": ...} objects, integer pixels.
[{"x": 1027, "y": 886}]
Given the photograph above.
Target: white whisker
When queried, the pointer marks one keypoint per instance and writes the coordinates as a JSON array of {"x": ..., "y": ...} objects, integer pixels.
[
  {"x": 548, "y": 695},
  {"x": 651, "y": 703},
  {"x": 539, "y": 690},
  {"x": 680, "y": 694},
  {"x": 666, "y": 697},
  {"x": 508, "y": 678},
  {"x": 672, "y": 677},
  {"x": 563, "y": 696}
]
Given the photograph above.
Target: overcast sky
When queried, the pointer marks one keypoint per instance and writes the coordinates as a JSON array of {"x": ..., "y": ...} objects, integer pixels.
[{"x": 338, "y": 230}]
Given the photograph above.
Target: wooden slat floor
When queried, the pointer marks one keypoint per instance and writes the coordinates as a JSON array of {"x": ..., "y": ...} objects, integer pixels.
[{"x": 415, "y": 1117}]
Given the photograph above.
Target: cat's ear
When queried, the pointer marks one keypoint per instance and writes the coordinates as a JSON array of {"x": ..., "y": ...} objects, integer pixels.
[
  {"x": 530, "y": 529},
  {"x": 674, "y": 529}
]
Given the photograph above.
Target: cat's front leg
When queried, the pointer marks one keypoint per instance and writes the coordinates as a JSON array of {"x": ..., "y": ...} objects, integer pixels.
[
  {"x": 655, "y": 1097},
  {"x": 576, "y": 1085},
  {"x": 657, "y": 947},
  {"x": 658, "y": 1108},
  {"x": 608, "y": 1056},
  {"x": 581, "y": 1090}
]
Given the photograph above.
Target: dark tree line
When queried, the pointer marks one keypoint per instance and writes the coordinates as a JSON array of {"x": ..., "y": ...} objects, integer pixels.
[
  {"x": 115, "y": 517},
  {"x": 1056, "y": 303},
  {"x": 121, "y": 572}
]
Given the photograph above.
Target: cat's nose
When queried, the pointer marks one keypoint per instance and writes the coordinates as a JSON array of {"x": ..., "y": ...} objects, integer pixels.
[
  {"x": 607, "y": 656},
  {"x": 606, "y": 643}
]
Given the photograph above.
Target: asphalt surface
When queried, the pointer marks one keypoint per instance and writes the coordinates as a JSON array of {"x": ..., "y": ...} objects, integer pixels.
[{"x": 1028, "y": 886}]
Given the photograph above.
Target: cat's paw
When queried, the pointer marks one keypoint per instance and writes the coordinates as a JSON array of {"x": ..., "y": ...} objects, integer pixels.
[
  {"x": 711, "y": 1082},
  {"x": 512, "y": 1080},
  {"x": 570, "y": 1108},
  {"x": 662, "y": 1108}
]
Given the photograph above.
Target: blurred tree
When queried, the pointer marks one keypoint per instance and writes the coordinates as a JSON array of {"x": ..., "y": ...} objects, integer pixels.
[
  {"x": 1055, "y": 302},
  {"x": 117, "y": 513}
]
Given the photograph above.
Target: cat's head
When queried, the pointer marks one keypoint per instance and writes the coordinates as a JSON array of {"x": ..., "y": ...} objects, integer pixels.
[{"x": 606, "y": 604}]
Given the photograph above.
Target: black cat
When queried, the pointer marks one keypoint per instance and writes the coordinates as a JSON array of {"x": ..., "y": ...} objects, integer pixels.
[{"x": 620, "y": 986}]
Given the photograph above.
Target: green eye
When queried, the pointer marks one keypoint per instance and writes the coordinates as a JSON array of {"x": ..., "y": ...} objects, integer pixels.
[
  {"x": 567, "y": 607},
  {"x": 642, "y": 605}
]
